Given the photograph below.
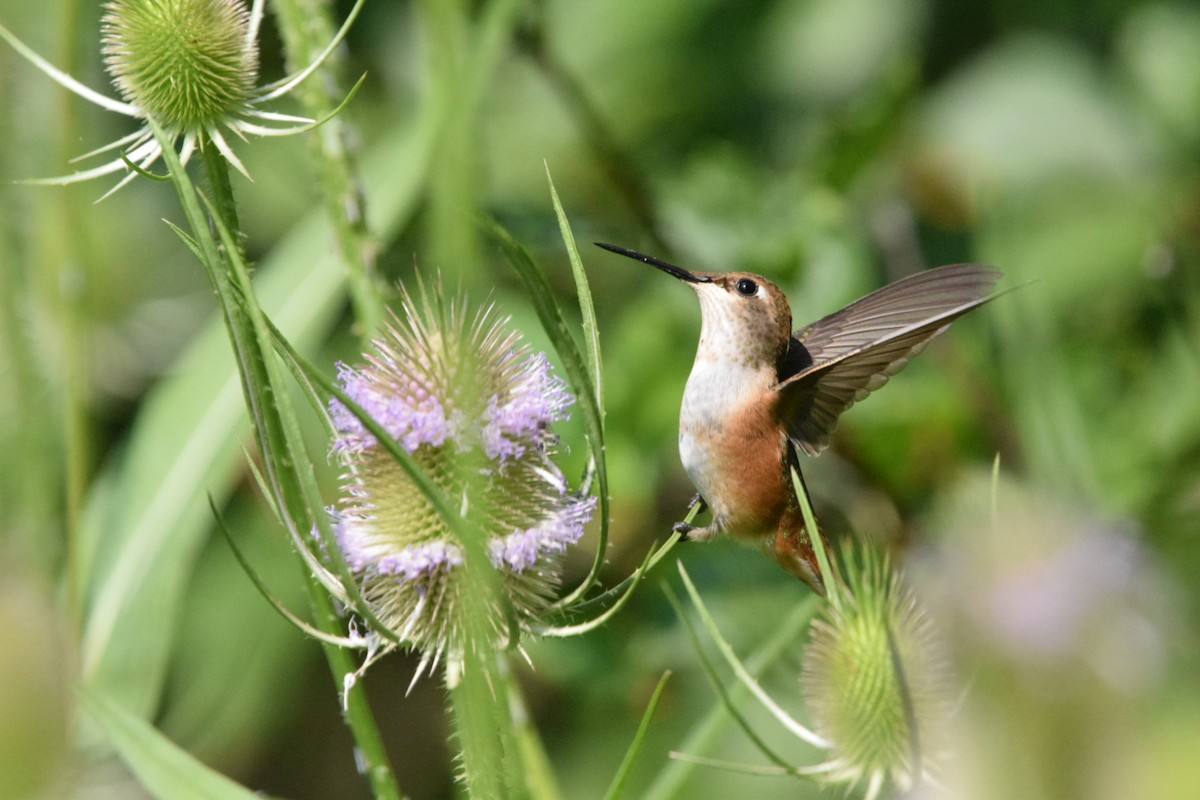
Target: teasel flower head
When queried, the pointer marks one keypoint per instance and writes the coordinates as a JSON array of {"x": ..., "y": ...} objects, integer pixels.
[
  {"x": 191, "y": 68},
  {"x": 875, "y": 679},
  {"x": 189, "y": 63},
  {"x": 474, "y": 408}
]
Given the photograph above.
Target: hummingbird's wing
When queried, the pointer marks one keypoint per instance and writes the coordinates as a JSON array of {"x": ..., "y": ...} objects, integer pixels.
[{"x": 839, "y": 360}]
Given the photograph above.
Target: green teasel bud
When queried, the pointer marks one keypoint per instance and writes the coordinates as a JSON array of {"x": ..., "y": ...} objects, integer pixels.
[
  {"x": 474, "y": 407},
  {"x": 190, "y": 64},
  {"x": 875, "y": 679}
]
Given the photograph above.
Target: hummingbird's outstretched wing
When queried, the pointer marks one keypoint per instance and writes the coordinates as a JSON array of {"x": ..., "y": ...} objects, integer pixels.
[{"x": 839, "y": 360}]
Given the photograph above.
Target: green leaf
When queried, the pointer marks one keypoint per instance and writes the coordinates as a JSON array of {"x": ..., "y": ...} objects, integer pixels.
[
  {"x": 554, "y": 323},
  {"x": 591, "y": 331},
  {"x": 165, "y": 769},
  {"x": 148, "y": 514},
  {"x": 639, "y": 738},
  {"x": 707, "y": 731}
]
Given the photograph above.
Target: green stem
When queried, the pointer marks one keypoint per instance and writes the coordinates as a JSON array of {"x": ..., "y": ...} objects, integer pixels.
[
  {"x": 248, "y": 330},
  {"x": 306, "y": 26},
  {"x": 453, "y": 240},
  {"x": 465, "y": 55},
  {"x": 480, "y": 684},
  {"x": 253, "y": 367},
  {"x": 492, "y": 763},
  {"x": 359, "y": 717}
]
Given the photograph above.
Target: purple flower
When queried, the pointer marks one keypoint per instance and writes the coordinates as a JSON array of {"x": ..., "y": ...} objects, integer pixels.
[
  {"x": 521, "y": 418},
  {"x": 408, "y": 412},
  {"x": 474, "y": 408},
  {"x": 521, "y": 550}
]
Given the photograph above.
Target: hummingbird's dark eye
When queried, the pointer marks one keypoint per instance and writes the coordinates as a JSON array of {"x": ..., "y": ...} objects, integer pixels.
[{"x": 746, "y": 287}]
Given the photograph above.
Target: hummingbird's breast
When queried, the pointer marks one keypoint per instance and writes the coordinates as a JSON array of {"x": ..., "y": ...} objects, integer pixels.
[{"x": 732, "y": 446}]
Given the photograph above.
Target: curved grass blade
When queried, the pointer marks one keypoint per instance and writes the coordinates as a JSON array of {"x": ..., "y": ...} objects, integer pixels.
[
  {"x": 165, "y": 769},
  {"x": 587, "y": 310},
  {"x": 619, "y": 780},
  {"x": 550, "y": 314},
  {"x": 719, "y": 686},
  {"x": 671, "y": 779},
  {"x": 740, "y": 670},
  {"x": 269, "y": 596}
]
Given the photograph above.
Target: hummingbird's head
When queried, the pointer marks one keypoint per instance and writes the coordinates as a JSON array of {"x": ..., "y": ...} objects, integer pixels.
[{"x": 745, "y": 316}]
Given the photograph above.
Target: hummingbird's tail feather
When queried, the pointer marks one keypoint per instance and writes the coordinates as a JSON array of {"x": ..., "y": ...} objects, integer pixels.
[{"x": 794, "y": 552}]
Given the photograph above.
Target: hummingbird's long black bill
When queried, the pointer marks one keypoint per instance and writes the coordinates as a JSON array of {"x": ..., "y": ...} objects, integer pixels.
[{"x": 667, "y": 267}]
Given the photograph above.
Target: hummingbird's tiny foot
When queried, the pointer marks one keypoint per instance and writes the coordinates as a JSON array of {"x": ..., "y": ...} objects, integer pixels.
[
  {"x": 683, "y": 529},
  {"x": 694, "y": 533}
]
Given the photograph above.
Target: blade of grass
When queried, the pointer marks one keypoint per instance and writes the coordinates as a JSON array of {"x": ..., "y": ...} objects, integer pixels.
[
  {"x": 587, "y": 310},
  {"x": 553, "y": 322},
  {"x": 622, "y": 776},
  {"x": 740, "y": 670},
  {"x": 673, "y": 776},
  {"x": 269, "y": 596},
  {"x": 165, "y": 769}
]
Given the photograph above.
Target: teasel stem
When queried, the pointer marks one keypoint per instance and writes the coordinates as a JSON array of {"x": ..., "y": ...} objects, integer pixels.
[
  {"x": 229, "y": 276},
  {"x": 358, "y": 714},
  {"x": 491, "y": 760},
  {"x": 306, "y": 27}
]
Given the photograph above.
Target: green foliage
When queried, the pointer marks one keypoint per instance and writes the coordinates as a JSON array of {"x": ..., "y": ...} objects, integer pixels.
[
  {"x": 163, "y": 768},
  {"x": 830, "y": 146}
]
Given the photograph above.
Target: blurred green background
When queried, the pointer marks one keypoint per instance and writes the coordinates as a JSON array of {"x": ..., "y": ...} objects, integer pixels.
[{"x": 831, "y": 145}]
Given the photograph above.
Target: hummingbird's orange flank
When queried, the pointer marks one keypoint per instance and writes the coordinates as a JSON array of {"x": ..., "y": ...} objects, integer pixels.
[{"x": 758, "y": 391}]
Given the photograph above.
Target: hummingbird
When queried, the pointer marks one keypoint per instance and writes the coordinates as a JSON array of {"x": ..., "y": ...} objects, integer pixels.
[{"x": 759, "y": 391}]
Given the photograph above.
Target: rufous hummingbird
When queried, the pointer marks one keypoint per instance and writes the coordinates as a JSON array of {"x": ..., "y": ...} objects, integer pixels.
[{"x": 759, "y": 391}]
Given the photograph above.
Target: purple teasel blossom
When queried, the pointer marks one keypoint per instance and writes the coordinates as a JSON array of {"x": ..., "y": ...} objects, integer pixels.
[{"x": 474, "y": 408}]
